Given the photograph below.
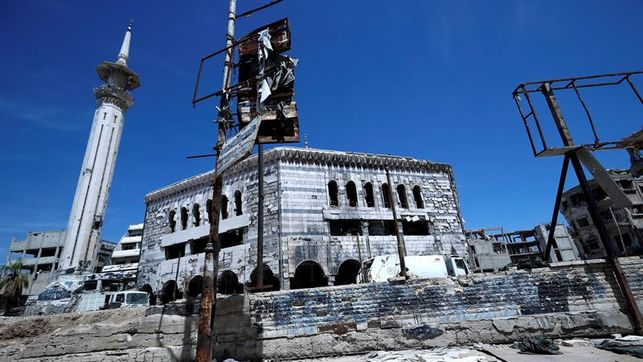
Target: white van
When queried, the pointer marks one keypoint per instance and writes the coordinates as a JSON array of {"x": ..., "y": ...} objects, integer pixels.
[
  {"x": 124, "y": 299},
  {"x": 384, "y": 267}
]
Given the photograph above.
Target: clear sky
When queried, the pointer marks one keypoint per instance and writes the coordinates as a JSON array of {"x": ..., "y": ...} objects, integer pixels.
[{"x": 427, "y": 79}]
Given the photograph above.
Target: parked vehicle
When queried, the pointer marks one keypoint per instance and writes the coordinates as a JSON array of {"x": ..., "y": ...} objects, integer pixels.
[
  {"x": 112, "y": 300},
  {"x": 384, "y": 267}
]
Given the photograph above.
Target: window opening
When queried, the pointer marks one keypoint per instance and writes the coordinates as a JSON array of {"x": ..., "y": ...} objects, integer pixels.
[
  {"x": 332, "y": 193},
  {"x": 401, "y": 194},
  {"x": 386, "y": 195},
  {"x": 237, "y": 203},
  {"x": 351, "y": 194},
  {"x": 417, "y": 196},
  {"x": 368, "y": 195},
  {"x": 184, "y": 218}
]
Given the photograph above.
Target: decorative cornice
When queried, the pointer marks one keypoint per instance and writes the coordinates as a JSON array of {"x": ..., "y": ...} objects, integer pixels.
[
  {"x": 110, "y": 94},
  {"x": 313, "y": 157}
]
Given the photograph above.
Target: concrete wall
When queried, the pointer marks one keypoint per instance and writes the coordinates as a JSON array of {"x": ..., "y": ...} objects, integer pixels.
[
  {"x": 566, "y": 301},
  {"x": 576, "y": 299}
]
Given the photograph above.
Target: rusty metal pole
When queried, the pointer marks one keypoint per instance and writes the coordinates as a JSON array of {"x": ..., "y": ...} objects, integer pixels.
[
  {"x": 554, "y": 216},
  {"x": 400, "y": 243},
  {"x": 204, "y": 345},
  {"x": 359, "y": 250},
  {"x": 259, "y": 285},
  {"x": 592, "y": 208}
]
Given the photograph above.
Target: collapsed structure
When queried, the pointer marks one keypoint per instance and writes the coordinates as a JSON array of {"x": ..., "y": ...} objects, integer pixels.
[
  {"x": 40, "y": 254},
  {"x": 624, "y": 224},
  {"x": 493, "y": 249},
  {"x": 325, "y": 212}
]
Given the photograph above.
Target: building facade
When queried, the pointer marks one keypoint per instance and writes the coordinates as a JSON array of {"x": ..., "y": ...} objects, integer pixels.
[
  {"x": 493, "y": 249},
  {"x": 129, "y": 247},
  {"x": 324, "y": 212},
  {"x": 624, "y": 225},
  {"x": 40, "y": 254}
]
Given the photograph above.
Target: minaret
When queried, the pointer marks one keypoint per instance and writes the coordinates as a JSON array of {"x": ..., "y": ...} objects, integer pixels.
[{"x": 90, "y": 201}]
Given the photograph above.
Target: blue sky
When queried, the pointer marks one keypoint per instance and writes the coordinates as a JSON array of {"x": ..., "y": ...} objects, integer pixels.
[{"x": 427, "y": 79}]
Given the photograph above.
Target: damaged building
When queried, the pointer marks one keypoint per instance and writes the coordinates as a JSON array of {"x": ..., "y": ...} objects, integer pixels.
[
  {"x": 325, "y": 212},
  {"x": 40, "y": 255},
  {"x": 624, "y": 225},
  {"x": 493, "y": 249}
]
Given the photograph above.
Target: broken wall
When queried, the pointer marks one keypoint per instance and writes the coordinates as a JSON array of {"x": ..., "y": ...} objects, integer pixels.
[
  {"x": 574, "y": 299},
  {"x": 579, "y": 299}
]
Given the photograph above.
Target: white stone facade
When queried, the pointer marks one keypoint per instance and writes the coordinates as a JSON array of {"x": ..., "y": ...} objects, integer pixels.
[{"x": 302, "y": 226}]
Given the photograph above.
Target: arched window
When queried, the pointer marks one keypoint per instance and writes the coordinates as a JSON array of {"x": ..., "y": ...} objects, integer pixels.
[
  {"x": 169, "y": 292},
  {"x": 208, "y": 205},
  {"x": 309, "y": 274},
  {"x": 196, "y": 214},
  {"x": 224, "y": 207},
  {"x": 332, "y": 193},
  {"x": 401, "y": 194},
  {"x": 351, "y": 193},
  {"x": 386, "y": 195},
  {"x": 347, "y": 272},
  {"x": 228, "y": 283},
  {"x": 195, "y": 286},
  {"x": 237, "y": 203},
  {"x": 172, "y": 220},
  {"x": 368, "y": 195},
  {"x": 184, "y": 218},
  {"x": 270, "y": 281},
  {"x": 417, "y": 196},
  {"x": 150, "y": 293}
]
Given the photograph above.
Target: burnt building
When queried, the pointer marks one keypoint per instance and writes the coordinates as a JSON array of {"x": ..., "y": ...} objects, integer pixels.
[
  {"x": 324, "y": 212},
  {"x": 624, "y": 225}
]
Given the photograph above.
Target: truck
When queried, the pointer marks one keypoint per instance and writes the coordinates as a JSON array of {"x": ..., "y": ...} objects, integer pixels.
[{"x": 384, "y": 267}]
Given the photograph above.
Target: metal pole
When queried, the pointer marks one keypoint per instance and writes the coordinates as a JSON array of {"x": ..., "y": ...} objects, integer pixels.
[
  {"x": 359, "y": 250},
  {"x": 209, "y": 295},
  {"x": 400, "y": 243},
  {"x": 618, "y": 228},
  {"x": 554, "y": 216},
  {"x": 260, "y": 220},
  {"x": 592, "y": 208},
  {"x": 176, "y": 278}
]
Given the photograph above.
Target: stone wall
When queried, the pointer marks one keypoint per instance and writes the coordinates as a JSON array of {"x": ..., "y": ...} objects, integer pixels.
[
  {"x": 577, "y": 299},
  {"x": 298, "y": 214},
  {"x": 580, "y": 299}
]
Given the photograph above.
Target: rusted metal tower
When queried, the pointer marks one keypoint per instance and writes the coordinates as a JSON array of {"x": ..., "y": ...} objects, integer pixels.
[
  {"x": 581, "y": 154},
  {"x": 266, "y": 113}
]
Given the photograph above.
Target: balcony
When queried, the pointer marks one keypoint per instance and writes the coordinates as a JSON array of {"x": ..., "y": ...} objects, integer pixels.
[{"x": 40, "y": 261}]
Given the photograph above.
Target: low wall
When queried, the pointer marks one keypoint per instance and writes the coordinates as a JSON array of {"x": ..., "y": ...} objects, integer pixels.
[
  {"x": 577, "y": 299},
  {"x": 571, "y": 299}
]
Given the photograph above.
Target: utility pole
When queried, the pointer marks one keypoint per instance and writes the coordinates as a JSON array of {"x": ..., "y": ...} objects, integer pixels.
[
  {"x": 400, "y": 243},
  {"x": 210, "y": 269}
]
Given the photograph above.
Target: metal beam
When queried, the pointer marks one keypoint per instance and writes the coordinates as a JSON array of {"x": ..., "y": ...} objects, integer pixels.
[
  {"x": 554, "y": 216},
  {"x": 400, "y": 242}
]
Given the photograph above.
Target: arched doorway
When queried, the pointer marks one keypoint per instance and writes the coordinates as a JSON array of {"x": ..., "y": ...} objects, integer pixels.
[
  {"x": 169, "y": 292},
  {"x": 228, "y": 283},
  {"x": 308, "y": 274},
  {"x": 270, "y": 281},
  {"x": 347, "y": 272},
  {"x": 195, "y": 286},
  {"x": 150, "y": 293}
]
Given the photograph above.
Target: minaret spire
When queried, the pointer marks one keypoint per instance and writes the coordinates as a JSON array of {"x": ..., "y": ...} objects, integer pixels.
[
  {"x": 82, "y": 239},
  {"x": 124, "y": 53}
]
